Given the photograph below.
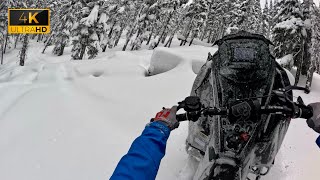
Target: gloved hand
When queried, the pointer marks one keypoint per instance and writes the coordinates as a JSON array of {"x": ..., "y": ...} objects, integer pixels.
[
  {"x": 168, "y": 117},
  {"x": 314, "y": 122}
]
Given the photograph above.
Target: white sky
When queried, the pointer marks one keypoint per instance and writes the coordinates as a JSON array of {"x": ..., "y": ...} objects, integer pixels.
[{"x": 264, "y": 1}]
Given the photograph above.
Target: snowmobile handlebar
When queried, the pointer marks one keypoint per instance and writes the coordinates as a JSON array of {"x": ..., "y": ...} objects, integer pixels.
[{"x": 247, "y": 108}]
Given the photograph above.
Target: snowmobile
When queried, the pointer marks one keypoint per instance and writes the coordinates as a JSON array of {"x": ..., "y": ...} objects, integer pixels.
[{"x": 239, "y": 110}]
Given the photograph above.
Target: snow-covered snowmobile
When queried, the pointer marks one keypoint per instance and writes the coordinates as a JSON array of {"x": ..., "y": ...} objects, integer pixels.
[{"x": 239, "y": 110}]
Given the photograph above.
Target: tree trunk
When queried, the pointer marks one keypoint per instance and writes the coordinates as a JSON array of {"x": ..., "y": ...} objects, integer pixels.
[
  {"x": 167, "y": 44},
  {"x": 39, "y": 38},
  {"x": 24, "y": 50},
  {"x": 164, "y": 30},
  {"x": 5, "y": 43},
  {"x": 307, "y": 54},
  {"x": 1, "y": 54},
  {"x": 181, "y": 43},
  {"x": 137, "y": 14},
  {"x": 204, "y": 33},
  {"x": 209, "y": 37},
  {"x": 310, "y": 76},
  {"x": 160, "y": 39},
  {"x": 119, "y": 36},
  {"x": 47, "y": 44},
  {"x": 83, "y": 50},
  {"x": 111, "y": 30},
  {"x": 307, "y": 44},
  {"x": 186, "y": 40},
  {"x": 191, "y": 41},
  {"x": 61, "y": 50},
  {"x": 16, "y": 41},
  {"x": 297, "y": 78},
  {"x": 126, "y": 44},
  {"x": 138, "y": 34},
  {"x": 150, "y": 36},
  {"x": 170, "y": 42},
  {"x": 163, "y": 40},
  {"x": 104, "y": 48}
]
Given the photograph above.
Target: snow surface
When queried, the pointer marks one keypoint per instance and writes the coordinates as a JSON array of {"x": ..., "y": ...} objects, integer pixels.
[{"x": 67, "y": 120}]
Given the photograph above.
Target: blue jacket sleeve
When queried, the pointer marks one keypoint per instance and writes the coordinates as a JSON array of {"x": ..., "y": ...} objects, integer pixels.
[{"x": 143, "y": 159}]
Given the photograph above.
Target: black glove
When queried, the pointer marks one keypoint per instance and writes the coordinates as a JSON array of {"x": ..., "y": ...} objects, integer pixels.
[
  {"x": 168, "y": 117},
  {"x": 314, "y": 122}
]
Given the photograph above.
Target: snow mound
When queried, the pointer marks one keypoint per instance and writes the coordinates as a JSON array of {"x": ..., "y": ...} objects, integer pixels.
[
  {"x": 163, "y": 60},
  {"x": 196, "y": 65},
  {"x": 286, "y": 61},
  {"x": 93, "y": 70},
  {"x": 187, "y": 58}
]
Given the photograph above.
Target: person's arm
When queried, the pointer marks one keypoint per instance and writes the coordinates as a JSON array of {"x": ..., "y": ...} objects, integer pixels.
[{"x": 143, "y": 159}]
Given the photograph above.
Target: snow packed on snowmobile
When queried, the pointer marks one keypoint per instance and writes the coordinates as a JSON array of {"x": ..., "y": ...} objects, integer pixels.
[{"x": 239, "y": 110}]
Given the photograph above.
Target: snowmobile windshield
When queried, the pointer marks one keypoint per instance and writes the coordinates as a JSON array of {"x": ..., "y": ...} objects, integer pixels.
[
  {"x": 244, "y": 55},
  {"x": 245, "y": 61}
]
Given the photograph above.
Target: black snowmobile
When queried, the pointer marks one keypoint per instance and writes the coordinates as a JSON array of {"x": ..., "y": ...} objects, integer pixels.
[{"x": 239, "y": 110}]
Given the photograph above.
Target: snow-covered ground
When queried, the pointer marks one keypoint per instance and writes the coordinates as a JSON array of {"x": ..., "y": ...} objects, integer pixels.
[{"x": 74, "y": 120}]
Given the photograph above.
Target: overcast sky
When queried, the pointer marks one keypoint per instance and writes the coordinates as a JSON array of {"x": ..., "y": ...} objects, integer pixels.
[{"x": 264, "y": 1}]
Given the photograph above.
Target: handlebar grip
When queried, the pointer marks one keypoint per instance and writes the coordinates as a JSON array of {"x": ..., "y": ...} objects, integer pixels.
[
  {"x": 306, "y": 112},
  {"x": 181, "y": 117}
]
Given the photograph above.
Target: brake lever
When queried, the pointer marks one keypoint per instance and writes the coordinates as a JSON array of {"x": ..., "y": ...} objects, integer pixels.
[
  {"x": 300, "y": 101},
  {"x": 290, "y": 88}
]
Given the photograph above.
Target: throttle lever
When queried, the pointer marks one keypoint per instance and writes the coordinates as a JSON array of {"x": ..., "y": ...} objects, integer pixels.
[{"x": 300, "y": 101}]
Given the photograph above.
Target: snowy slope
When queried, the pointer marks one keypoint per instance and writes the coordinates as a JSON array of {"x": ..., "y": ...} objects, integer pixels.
[{"x": 66, "y": 120}]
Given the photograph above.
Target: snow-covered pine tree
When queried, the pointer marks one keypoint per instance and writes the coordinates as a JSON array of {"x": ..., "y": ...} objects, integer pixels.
[
  {"x": 312, "y": 12},
  {"x": 63, "y": 23},
  {"x": 195, "y": 18},
  {"x": 164, "y": 14},
  {"x": 84, "y": 30},
  {"x": 219, "y": 19},
  {"x": 307, "y": 34},
  {"x": 6, "y": 41},
  {"x": 254, "y": 17},
  {"x": 274, "y": 8},
  {"x": 56, "y": 8},
  {"x": 206, "y": 24},
  {"x": 144, "y": 21},
  {"x": 3, "y": 27},
  {"x": 246, "y": 15},
  {"x": 176, "y": 22},
  {"x": 134, "y": 14},
  {"x": 123, "y": 15},
  {"x": 288, "y": 32},
  {"x": 316, "y": 38},
  {"x": 169, "y": 21},
  {"x": 108, "y": 23},
  {"x": 266, "y": 21},
  {"x": 201, "y": 10},
  {"x": 25, "y": 42},
  {"x": 237, "y": 16}
]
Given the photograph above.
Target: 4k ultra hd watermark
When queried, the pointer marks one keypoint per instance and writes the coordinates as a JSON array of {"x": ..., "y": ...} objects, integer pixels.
[{"x": 29, "y": 21}]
